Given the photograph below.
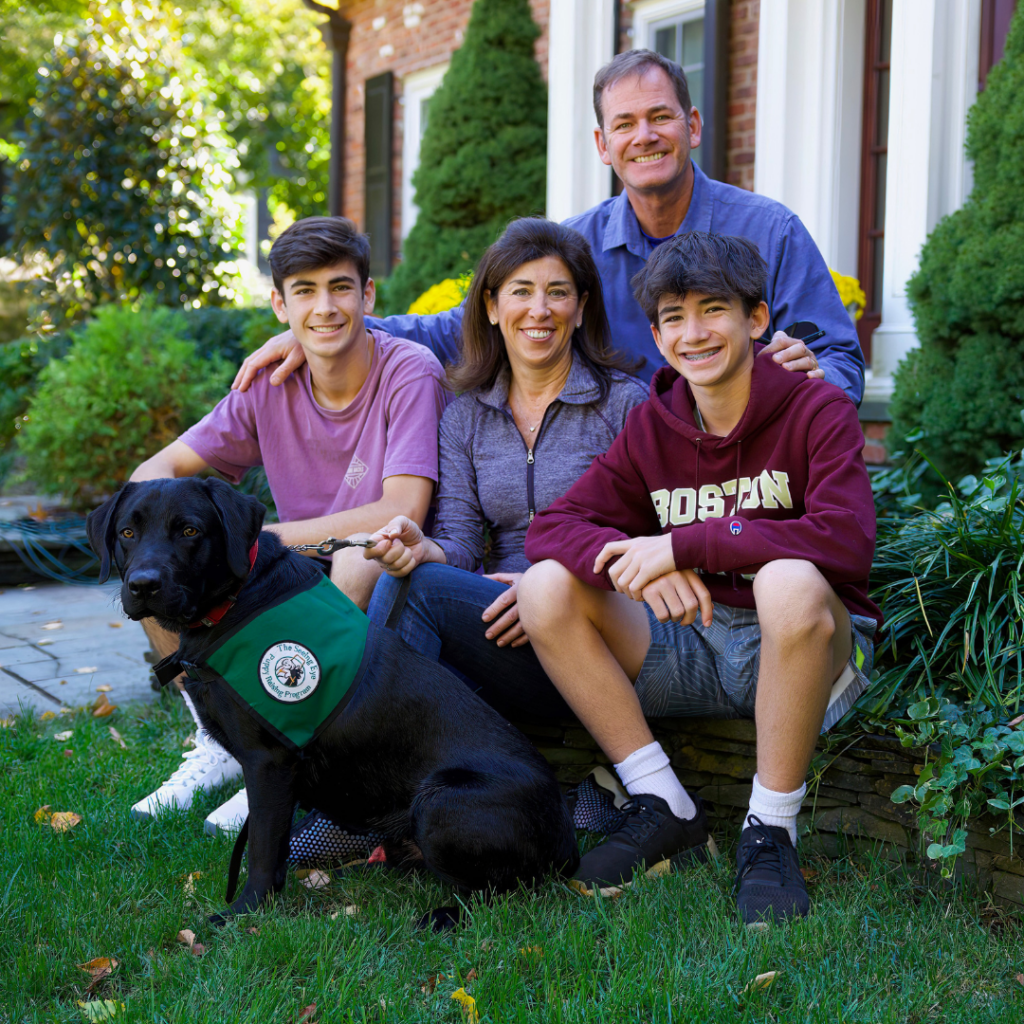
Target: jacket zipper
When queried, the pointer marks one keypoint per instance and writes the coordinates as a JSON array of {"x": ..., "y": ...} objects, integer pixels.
[{"x": 529, "y": 483}]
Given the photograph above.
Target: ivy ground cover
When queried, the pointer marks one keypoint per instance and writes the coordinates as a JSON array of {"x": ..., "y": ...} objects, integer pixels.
[{"x": 879, "y": 946}]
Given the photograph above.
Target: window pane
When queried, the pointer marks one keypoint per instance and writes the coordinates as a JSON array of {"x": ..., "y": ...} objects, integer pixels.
[
  {"x": 880, "y": 193},
  {"x": 665, "y": 42},
  {"x": 695, "y": 79},
  {"x": 693, "y": 42},
  {"x": 424, "y": 112}
]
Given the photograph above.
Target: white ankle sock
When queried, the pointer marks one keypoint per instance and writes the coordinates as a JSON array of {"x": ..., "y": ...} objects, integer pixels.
[
  {"x": 647, "y": 770},
  {"x": 774, "y": 808}
]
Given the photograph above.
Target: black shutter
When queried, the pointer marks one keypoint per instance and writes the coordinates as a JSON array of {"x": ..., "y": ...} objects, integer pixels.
[{"x": 377, "y": 137}]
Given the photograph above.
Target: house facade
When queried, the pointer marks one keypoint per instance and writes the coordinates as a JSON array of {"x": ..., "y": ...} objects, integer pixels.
[{"x": 852, "y": 113}]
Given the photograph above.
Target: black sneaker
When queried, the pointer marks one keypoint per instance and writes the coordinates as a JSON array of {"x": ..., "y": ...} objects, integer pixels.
[
  {"x": 648, "y": 838},
  {"x": 769, "y": 884}
]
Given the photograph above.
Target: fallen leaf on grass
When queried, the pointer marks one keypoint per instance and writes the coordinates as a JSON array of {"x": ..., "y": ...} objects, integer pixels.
[
  {"x": 102, "y": 708},
  {"x": 69, "y": 753},
  {"x": 427, "y": 988},
  {"x": 47, "y": 716},
  {"x": 467, "y": 1004},
  {"x": 306, "y": 1014},
  {"x": 316, "y": 880},
  {"x": 197, "y": 949},
  {"x": 761, "y": 981},
  {"x": 105, "y": 688},
  {"x": 117, "y": 738},
  {"x": 43, "y": 814},
  {"x": 187, "y": 937},
  {"x": 54, "y": 624},
  {"x": 190, "y": 884},
  {"x": 1019, "y": 978},
  {"x": 64, "y": 820},
  {"x": 101, "y": 1009},
  {"x": 63, "y": 737},
  {"x": 472, "y": 976},
  {"x": 532, "y": 951},
  {"x": 252, "y": 931},
  {"x": 86, "y": 669},
  {"x": 808, "y": 873},
  {"x": 98, "y": 969}
]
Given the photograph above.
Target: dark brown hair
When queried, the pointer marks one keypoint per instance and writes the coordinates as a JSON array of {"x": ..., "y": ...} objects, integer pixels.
[
  {"x": 697, "y": 261},
  {"x": 483, "y": 354},
  {"x": 316, "y": 242},
  {"x": 639, "y": 62}
]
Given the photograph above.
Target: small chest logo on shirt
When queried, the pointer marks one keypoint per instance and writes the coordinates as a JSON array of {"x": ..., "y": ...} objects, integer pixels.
[
  {"x": 355, "y": 472},
  {"x": 735, "y": 527},
  {"x": 289, "y": 672}
]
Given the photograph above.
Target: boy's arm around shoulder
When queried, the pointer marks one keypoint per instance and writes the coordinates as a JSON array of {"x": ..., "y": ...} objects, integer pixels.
[
  {"x": 837, "y": 530},
  {"x": 609, "y": 502}
]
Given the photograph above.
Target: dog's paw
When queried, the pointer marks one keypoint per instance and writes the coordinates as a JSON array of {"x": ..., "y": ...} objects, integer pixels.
[
  {"x": 219, "y": 920},
  {"x": 441, "y": 919}
]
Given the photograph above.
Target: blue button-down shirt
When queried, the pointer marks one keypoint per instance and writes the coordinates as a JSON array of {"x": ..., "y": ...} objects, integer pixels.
[{"x": 799, "y": 285}]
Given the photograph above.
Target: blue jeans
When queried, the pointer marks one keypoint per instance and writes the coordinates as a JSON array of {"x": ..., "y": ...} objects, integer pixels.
[{"x": 440, "y": 618}]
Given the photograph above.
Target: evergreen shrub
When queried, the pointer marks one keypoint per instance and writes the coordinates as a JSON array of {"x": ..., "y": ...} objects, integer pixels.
[
  {"x": 962, "y": 390},
  {"x": 483, "y": 158},
  {"x": 130, "y": 383}
]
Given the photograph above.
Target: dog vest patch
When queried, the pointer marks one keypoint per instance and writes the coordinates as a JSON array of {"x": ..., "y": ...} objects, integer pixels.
[{"x": 294, "y": 664}]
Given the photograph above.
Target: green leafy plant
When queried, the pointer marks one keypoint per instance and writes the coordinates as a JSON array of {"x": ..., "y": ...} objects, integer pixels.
[
  {"x": 950, "y": 660},
  {"x": 483, "y": 156},
  {"x": 129, "y": 384},
  {"x": 122, "y": 175},
  {"x": 963, "y": 388}
]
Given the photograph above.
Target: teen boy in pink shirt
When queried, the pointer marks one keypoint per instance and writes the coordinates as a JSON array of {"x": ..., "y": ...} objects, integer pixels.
[
  {"x": 713, "y": 562},
  {"x": 348, "y": 442}
]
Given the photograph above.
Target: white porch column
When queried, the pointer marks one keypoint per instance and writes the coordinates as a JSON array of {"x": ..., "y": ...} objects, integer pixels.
[
  {"x": 933, "y": 81},
  {"x": 810, "y": 73},
  {"x": 581, "y": 40}
]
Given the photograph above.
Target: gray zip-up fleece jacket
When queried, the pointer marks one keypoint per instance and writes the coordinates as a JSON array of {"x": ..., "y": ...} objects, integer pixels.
[{"x": 487, "y": 476}]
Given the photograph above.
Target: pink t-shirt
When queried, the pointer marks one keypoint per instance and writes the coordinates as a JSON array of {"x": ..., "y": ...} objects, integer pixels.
[{"x": 318, "y": 460}]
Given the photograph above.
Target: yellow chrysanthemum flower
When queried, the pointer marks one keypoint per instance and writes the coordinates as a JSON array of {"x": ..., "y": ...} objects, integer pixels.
[
  {"x": 445, "y": 295},
  {"x": 850, "y": 293}
]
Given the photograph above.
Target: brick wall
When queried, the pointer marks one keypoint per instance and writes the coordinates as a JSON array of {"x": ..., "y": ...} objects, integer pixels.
[
  {"x": 739, "y": 158},
  {"x": 394, "y": 35}
]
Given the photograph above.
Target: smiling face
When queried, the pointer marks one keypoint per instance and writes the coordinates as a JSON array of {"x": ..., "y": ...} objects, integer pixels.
[
  {"x": 325, "y": 308},
  {"x": 708, "y": 339},
  {"x": 537, "y": 308},
  {"x": 646, "y": 136}
]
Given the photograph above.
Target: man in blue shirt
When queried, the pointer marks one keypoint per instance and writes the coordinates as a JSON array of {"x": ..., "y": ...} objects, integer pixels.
[{"x": 646, "y": 130}]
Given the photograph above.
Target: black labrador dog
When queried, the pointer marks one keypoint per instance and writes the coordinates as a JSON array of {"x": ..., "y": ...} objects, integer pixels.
[{"x": 413, "y": 754}]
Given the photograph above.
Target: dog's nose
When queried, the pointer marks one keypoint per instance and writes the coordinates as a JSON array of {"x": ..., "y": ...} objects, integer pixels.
[{"x": 144, "y": 583}]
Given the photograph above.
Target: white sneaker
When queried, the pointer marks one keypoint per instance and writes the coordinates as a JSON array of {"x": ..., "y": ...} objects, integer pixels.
[
  {"x": 229, "y": 816},
  {"x": 204, "y": 767}
]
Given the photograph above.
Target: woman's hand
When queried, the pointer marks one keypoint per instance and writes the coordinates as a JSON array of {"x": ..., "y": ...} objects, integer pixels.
[
  {"x": 284, "y": 347},
  {"x": 641, "y": 560},
  {"x": 679, "y": 596},
  {"x": 507, "y": 629},
  {"x": 400, "y": 547}
]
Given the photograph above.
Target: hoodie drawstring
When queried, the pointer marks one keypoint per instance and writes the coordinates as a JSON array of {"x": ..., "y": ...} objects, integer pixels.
[{"x": 736, "y": 508}]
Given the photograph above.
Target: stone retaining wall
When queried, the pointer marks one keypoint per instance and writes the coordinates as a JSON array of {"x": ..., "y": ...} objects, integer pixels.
[{"x": 847, "y": 801}]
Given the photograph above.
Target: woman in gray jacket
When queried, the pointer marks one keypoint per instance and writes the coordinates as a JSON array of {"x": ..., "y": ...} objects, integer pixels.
[{"x": 541, "y": 393}]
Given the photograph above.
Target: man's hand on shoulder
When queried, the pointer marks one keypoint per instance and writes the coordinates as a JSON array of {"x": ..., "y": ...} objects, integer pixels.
[
  {"x": 640, "y": 561},
  {"x": 283, "y": 348},
  {"x": 791, "y": 354}
]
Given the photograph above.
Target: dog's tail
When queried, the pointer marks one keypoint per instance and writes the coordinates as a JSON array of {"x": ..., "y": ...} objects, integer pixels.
[{"x": 236, "y": 859}]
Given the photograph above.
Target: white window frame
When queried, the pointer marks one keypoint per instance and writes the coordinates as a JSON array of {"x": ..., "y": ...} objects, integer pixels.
[
  {"x": 649, "y": 13},
  {"x": 416, "y": 87}
]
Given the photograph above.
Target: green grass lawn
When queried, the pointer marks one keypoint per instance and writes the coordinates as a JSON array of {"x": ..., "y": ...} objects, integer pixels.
[{"x": 877, "y": 948}]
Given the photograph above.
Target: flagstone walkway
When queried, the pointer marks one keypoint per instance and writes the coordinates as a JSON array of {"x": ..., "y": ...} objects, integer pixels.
[{"x": 58, "y": 643}]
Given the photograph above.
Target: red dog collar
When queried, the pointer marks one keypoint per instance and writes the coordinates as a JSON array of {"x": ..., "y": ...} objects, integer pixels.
[{"x": 214, "y": 615}]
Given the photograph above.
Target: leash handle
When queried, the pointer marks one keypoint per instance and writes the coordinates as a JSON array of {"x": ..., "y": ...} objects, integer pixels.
[{"x": 330, "y": 545}]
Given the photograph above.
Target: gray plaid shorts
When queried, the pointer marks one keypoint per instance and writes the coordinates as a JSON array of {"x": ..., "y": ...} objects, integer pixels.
[{"x": 693, "y": 671}]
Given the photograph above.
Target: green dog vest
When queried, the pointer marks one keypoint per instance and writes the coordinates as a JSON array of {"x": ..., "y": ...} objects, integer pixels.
[{"x": 293, "y": 665}]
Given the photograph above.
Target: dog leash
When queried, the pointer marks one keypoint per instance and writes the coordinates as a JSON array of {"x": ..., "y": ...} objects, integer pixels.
[{"x": 332, "y": 544}]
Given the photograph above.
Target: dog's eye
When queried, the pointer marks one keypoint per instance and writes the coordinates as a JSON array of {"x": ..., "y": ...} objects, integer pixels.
[
  {"x": 126, "y": 533},
  {"x": 190, "y": 531}
]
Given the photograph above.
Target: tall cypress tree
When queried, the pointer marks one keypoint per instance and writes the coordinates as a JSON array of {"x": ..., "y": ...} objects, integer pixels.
[
  {"x": 483, "y": 157},
  {"x": 964, "y": 386}
]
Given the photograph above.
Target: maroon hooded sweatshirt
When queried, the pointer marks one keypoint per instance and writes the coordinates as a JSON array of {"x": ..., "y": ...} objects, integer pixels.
[{"x": 788, "y": 482}]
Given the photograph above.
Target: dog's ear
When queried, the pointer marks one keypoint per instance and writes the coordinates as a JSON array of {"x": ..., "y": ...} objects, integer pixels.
[
  {"x": 100, "y": 526},
  {"x": 242, "y": 518}
]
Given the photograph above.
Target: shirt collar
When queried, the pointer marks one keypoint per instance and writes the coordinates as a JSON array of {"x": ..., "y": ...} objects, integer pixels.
[
  {"x": 580, "y": 387},
  {"x": 624, "y": 229}
]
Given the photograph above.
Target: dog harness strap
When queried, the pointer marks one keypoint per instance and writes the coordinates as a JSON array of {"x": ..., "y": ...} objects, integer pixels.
[
  {"x": 214, "y": 615},
  {"x": 294, "y": 665}
]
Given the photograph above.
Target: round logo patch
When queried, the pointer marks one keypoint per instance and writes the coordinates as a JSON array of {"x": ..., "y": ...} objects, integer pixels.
[
  {"x": 289, "y": 672},
  {"x": 735, "y": 527}
]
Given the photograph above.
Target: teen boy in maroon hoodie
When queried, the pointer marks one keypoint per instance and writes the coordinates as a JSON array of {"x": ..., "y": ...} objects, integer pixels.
[{"x": 713, "y": 562}]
